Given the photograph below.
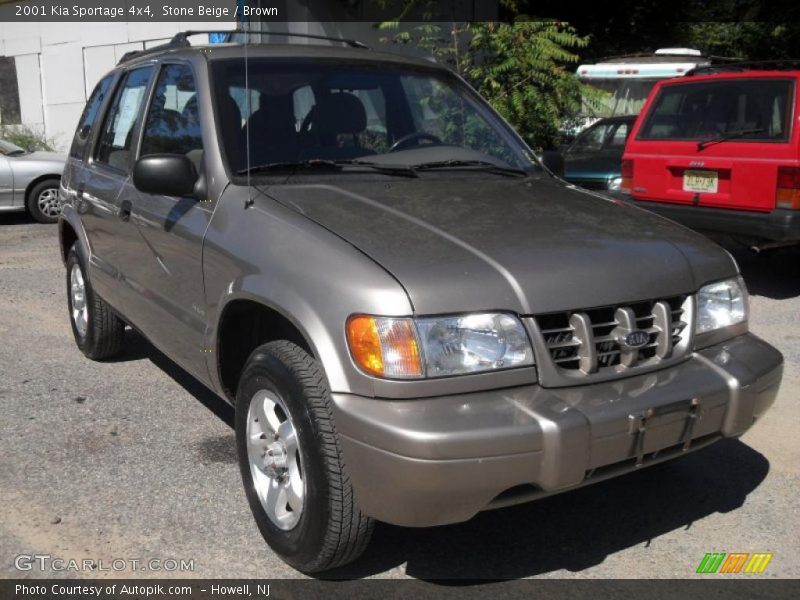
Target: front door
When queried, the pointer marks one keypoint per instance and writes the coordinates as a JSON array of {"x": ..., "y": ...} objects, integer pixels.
[{"x": 169, "y": 264}]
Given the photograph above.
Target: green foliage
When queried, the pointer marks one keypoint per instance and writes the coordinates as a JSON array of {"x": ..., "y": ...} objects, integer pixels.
[
  {"x": 525, "y": 69},
  {"x": 26, "y": 138},
  {"x": 755, "y": 40}
]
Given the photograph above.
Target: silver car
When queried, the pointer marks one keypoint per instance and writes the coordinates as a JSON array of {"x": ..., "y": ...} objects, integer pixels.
[{"x": 29, "y": 181}]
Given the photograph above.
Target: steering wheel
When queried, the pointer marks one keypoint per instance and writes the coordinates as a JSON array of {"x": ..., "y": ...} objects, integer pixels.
[{"x": 413, "y": 139}]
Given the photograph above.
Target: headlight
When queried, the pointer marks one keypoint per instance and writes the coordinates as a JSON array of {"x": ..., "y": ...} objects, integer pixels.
[
  {"x": 439, "y": 346},
  {"x": 721, "y": 304},
  {"x": 614, "y": 184}
]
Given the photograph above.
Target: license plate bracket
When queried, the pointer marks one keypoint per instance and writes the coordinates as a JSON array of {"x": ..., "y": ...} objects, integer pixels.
[
  {"x": 703, "y": 182},
  {"x": 640, "y": 423}
]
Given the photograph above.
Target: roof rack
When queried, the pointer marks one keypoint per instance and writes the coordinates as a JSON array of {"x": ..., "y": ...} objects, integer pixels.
[
  {"x": 311, "y": 36},
  {"x": 181, "y": 40},
  {"x": 747, "y": 65}
]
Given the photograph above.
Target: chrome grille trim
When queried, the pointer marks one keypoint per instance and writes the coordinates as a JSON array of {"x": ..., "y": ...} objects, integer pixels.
[{"x": 574, "y": 347}]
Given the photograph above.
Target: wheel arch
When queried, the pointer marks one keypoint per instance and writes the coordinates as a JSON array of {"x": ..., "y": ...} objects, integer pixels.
[
  {"x": 243, "y": 325},
  {"x": 71, "y": 233}
]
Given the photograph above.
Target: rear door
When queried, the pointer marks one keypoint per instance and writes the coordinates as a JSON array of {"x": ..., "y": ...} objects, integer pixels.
[
  {"x": 104, "y": 179},
  {"x": 715, "y": 142}
]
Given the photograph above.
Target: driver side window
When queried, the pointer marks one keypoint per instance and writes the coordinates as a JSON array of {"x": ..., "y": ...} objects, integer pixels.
[{"x": 173, "y": 119}]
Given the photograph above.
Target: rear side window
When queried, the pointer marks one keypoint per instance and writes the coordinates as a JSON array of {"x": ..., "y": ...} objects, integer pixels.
[
  {"x": 752, "y": 109},
  {"x": 173, "y": 120},
  {"x": 89, "y": 116},
  {"x": 116, "y": 138}
]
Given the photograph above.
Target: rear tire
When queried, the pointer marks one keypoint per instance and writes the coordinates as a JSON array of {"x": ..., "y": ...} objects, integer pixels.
[
  {"x": 98, "y": 331},
  {"x": 325, "y": 528},
  {"x": 44, "y": 202}
]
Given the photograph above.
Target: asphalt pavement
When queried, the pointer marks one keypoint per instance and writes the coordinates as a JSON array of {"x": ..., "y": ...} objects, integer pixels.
[{"x": 132, "y": 459}]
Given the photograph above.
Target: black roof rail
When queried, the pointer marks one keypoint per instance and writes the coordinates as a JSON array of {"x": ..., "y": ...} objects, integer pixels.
[
  {"x": 747, "y": 65},
  {"x": 311, "y": 36},
  {"x": 180, "y": 40}
]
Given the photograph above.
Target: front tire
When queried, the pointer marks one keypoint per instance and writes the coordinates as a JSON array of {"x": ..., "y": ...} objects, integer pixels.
[
  {"x": 44, "y": 201},
  {"x": 292, "y": 467},
  {"x": 97, "y": 330}
]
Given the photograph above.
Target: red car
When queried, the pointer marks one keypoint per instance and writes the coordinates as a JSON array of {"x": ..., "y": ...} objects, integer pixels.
[{"x": 720, "y": 153}]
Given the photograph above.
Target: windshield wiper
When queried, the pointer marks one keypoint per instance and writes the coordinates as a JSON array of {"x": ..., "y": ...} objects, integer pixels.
[
  {"x": 292, "y": 166},
  {"x": 332, "y": 165},
  {"x": 731, "y": 135},
  {"x": 482, "y": 164}
]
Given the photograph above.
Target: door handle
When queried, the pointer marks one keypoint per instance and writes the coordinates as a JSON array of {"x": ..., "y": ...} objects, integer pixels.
[{"x": 125, "y": 210}]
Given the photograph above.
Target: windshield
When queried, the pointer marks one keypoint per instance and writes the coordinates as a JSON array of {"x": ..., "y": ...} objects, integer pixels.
[
  {"x": 616, "y": 97},
  {"x": 7, "y": 148},
  {"x": 745, "y": 109},
  {"x": 301, "y": 111}
]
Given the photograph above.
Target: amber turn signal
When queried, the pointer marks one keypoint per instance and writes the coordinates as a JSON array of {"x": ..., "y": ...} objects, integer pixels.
[{"x": 385, "y": 347}]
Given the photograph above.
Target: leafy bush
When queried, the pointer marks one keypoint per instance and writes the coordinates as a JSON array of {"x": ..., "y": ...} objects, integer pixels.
[
  {"x": 524, "y": 68},
  {"x": 26, "y": 137}
]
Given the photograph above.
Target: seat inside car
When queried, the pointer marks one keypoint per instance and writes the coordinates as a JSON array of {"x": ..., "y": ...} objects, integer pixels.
[
  {"x": 335, "y": 115},
  {"x": 273, "y": 136}
]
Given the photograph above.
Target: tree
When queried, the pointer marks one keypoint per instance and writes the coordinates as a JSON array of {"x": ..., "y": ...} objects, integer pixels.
[{"x": 524, "y": 68}]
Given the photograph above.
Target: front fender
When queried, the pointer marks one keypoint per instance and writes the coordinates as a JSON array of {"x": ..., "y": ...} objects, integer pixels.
[{"x": 278, "y": 258}]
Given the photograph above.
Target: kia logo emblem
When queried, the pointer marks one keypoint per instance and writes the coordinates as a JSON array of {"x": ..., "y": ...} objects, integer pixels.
[{"x": 636, "y": 339}]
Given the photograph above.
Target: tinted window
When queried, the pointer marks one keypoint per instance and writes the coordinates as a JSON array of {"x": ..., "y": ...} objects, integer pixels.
[
  {"x": 618, "y": 138},
  {"x": 312, "y": 110},
  {"x": 88, "y": 117},
  {"x": 114, "y": 147},
  {"x": 593, "y": 138},
  {"x": 173, "y": 120},
  {"x": 709, "y": 109}
]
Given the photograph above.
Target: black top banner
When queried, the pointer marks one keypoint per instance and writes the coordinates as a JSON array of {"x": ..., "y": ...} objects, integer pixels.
[{"x": 227, "y": 11}]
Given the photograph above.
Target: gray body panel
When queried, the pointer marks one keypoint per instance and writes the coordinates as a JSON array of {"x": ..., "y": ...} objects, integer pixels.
[
  {"x": 534, "y": 245},
  {"x": 18, "y": 172}
]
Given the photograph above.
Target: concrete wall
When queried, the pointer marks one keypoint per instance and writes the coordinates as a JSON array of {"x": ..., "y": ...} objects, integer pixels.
[{"x": 58, "y": 64}]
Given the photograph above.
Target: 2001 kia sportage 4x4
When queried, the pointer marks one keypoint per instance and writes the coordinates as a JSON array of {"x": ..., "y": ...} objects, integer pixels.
[{"x": 414, "y": 320}]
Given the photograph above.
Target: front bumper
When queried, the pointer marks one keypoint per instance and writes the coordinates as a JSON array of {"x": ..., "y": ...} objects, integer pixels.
[
  {"x": 441, "y": 460},
  {"x": 780, "y": 225}
]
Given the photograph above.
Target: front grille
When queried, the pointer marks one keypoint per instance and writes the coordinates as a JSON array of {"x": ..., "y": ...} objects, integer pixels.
[{"x": 595, "y": 339}]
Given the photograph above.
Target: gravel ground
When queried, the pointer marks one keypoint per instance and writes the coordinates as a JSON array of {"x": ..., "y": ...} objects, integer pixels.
[{"x": 133, "y": 459}]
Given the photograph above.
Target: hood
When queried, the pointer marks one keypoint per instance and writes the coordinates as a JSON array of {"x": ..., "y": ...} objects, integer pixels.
[
  {"x": 598, "y": 165},
  {"x": 526, "y": 245}
]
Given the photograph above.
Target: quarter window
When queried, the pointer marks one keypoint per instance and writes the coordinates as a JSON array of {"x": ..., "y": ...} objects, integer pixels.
[
  {"x": 116, "y": 138},
  {"x": 88, "y": 117},
  {"x": 173, "y": 120}
]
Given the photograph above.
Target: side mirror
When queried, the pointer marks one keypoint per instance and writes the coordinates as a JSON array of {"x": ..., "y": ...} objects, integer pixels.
[
  {"x": 554, "y": 161},
  {"x": 165, "y": 175}
]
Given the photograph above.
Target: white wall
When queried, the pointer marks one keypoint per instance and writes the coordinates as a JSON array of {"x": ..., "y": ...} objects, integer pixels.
[{"x": 58, "y": 64}]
